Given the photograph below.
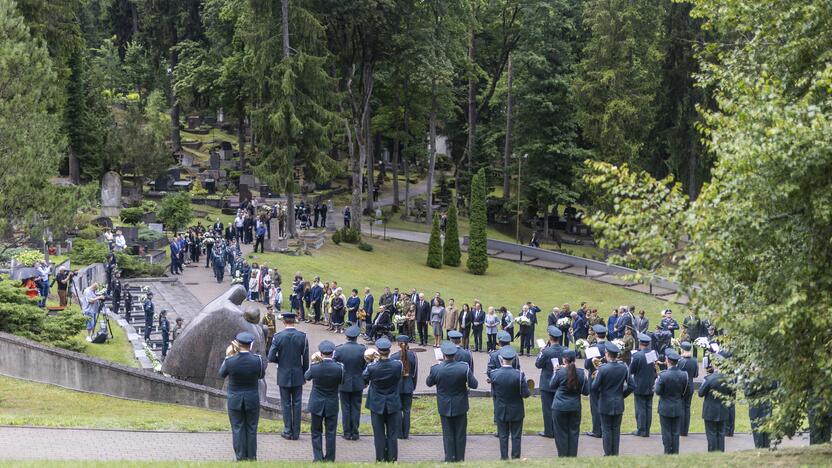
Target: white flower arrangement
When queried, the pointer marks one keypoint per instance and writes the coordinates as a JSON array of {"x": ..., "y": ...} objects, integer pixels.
[
  {"x": 702, "y": 342},
  {"x": 675, "y": 344},
  {"x": 619, "y": 342},
  {"x": 398, "y": 319},
  {"x": 581, "y": 344},
  {"x": 523, "y": 321},
  {"x": 563, "y": 322},
  {"x": 151, "y": 356}
]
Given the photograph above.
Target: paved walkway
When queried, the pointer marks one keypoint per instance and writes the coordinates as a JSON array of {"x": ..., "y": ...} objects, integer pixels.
[{"x": 24, "y": 443}]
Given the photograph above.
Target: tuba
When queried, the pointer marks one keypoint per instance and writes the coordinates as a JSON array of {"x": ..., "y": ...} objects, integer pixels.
[
  {"x": 371, "y": 355},
  {"x": 405, "y": 360},
  {"x": 316, "y": 358},
  {"x": 232, "y": 349}
]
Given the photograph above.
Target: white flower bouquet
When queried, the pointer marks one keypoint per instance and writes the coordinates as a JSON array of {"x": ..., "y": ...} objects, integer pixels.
[
  {"x": 619, "y": 342},
  {"x": 398, "y": 319},
  {"x": 523, "y": 321},
  {"x": 563, "y": 322},
  {"x": 581, "y": 344},
  {"x": 675, "y": 344},
  {"x": 701, "y": 342}
]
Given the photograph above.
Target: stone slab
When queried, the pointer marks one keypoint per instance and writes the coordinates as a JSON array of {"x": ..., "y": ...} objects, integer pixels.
[
  {"x": 643, "y": 288},
  {"x": 579, "y": 271},
  {"x": 616, "y": 280},
  {"x": 514, "y": 257},
  {"x": 548, "y": 264}
]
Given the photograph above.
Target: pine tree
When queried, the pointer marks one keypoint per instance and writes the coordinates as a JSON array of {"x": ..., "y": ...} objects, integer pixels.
[
  {"x": 435, "y": 245},
  {"x": 478, "y": 246},
  {"x": 451, "y": 255}
]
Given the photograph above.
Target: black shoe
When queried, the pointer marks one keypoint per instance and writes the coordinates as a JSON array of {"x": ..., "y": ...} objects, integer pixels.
[
  {"x": 636, "y": 433},
  {"x": 592, "y": 434},
  {"x": 286, "y": 436},
  {"x": 543, "y": 434}
]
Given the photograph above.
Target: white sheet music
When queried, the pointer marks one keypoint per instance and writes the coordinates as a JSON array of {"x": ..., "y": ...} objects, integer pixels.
[
  {"x": 593, "y": 352},
  {"x": 437, "y": 353},
  {"x": 652, "y": 357},
  {"x": 540, "y": 343}
]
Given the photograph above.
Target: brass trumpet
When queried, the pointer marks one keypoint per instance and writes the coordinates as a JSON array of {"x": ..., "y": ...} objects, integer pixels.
[
  {"x": 371, "y": 355},
  {"x": 232, "y": 349},
  {"x": 316, "y": 358}
]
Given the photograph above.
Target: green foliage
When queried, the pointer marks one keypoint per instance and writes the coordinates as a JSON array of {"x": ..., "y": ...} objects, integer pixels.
[
  {"x": 350, "y": 236},
  {"x": 478, "y": 242},
  {"x": 140, "y": 141},
  {"x": 198, "y": 190},
  {"x": 28, "y": 257},
  {"x": 132, "y": 216},
  {"x": 336, "y": 237},
  {"x": 451, "y": 254},
  {"x": 149, "y": 235},
  {"x": 175, "y": 211},
  {"x": 21, "y": 316},
  {"x": 435, "y": 244},
  {"x": 132, "y": 266},
  {"x": 89, "y": 232},
  {"x": 365, "y": 247},
  {"x": 149, "y": 206},
  {"x": 87, "y": 252}
]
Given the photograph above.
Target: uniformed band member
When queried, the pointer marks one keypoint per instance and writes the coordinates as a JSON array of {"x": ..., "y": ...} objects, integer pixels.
[
  {"x": 290, "y": 350},
  {"x": 351, "y": 355},
  {"x": 452, "y": 380},
  {"x": 243, "y": 370},
  {"x": 553, "y": 350},
  {"x": 509, "y": 387},
  {"x": 326, "y": 376},
  {"x": 758, "y": 412},
  {"x": 612, "y": 383},
  {"x": 462, "y": 354},
  {"x": 589, "y": 365},
  {"x": 644, "y": 375},
  {"x": 714, "y": 409},
  {"x": 149, "y": 311},
  {"x": 671, "y": 387},
  {"x": 383, "y": 401},
  {"x": 410, "y": 372},
  {"x": 691, "y": 367},
  {"x": 504, "y": 339},
  {"x": 568, "y": 384}
]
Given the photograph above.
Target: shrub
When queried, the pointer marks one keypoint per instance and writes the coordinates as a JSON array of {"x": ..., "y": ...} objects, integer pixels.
[
  {"x": 198, "y": 190},
  {"x": 351, "y": 235},
  {"x": 365, "y": 247},
  {"x": 451, "y": 254},
  {"x": 435, "y": 244},
  {"x": 149, "y": 206},
  {"x": 175, "y": 211},
  {"x": 132, "y": 216},
  {"x": 478, "y": 249},
  {"x": 336, "y": 237},
  {"x": 86, "y": 252},
  {"x": 28, "y": 257},
  {"x": 132, "y": 266},
  {"x": 89, "y": 232},
  {"x": 149, "y": 235},
  {"x": 21, "y": 316}
]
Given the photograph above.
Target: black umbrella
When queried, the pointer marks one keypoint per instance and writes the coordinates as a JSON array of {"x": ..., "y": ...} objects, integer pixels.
[{"x": 25, "y": 273}]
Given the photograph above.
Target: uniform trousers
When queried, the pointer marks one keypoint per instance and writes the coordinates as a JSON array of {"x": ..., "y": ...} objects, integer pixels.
[
  {"x": 567, "y": 428},
  {"x": 513, "y": 430},
  {"x": 596, "y": 417},
  {"x": 330, "y": 421},
  {"x": 686, "y": 400},
  {"x": 546, "y": 400},
  {"x": 611, "y": 433},
  {"x": 644, "y": 413},
  {"x": 350, "y": 413},
  {"x": 386, "y": 435},
  {"x": 715, "y": 433},
  {"x": 290, "y": 402},
  {"x": 757, "y": 415},
  {"x": 244, "y": 431},
  {"x": 407, "y": 403},
  {"x": 670, "y": 433},
  {"x": 454, "y": 430}
]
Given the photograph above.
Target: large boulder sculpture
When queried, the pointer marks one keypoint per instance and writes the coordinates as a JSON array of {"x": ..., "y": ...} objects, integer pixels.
[{"x": 198, "y": 352}]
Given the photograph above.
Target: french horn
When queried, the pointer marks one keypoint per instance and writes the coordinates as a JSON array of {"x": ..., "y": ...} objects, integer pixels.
[
  {"x": 371, "y": 355},
  {"x": 316, "y": 358}
]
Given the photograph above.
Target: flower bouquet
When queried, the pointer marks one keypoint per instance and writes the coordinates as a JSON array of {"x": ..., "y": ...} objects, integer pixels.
[
  {"x": 675, "y": 344},
  {"x": 619, "y": 342},
  {"x": 701, "y": 342},
  {"x": 563, "y": 322},
  {"x": 238, "y": 279},
  {"x": 398, "y": 319},
  {"x": 581, "y": 344},
  {"x": 523, "y": 321}
]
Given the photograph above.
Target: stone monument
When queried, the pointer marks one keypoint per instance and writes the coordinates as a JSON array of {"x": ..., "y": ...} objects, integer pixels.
[
  {"x": 199, "y": 351},
  {"x": 330, "y": 217},
  {"x": 111, "y": 194},
  {"x": 276, "y": 243},
  {"x": 215, "y": 161}
]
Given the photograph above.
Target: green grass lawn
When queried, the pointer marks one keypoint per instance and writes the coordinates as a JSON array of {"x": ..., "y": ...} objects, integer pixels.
[
  {"x": 36, "y": 404},
  {"x": 117, "y": 350},
  {"x": 402, "y": 264}
]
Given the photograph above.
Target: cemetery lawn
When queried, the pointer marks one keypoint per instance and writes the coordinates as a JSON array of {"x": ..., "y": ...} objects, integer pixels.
[
  {"x": 817, "y": 455},
  {"x": 117, "y": 350}
]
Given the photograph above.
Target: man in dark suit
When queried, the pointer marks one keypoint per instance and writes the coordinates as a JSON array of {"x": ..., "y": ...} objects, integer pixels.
[
  {"x": 316, "y": 294},
  {"x": 244, "y": 370},
  {"x": 384, "y": 403},
  {"x": 462, "y": 354},
  {"x": 641, "y": 323},
  {"x": 452, "y": 380},
  {"x": 644, "y": 375},
  {"x": 671, "y": 386},
  {"x": 407, "y": 386},
  {"x": 613, "y": 384},
  {"x": 290, "y": 350},
  {"x": 714, "y": 409},
  {"x": 601, "y": 333},
  {"x": 326, "y": 376},
  {"x": 691, "y": 367},
  {"x": 368, "y": 305},
  {"x": 553, "y": 350},
  {"x": 422, "y": 318},
  {"x": 477, "y": 321},
  {"x": 509, "y": 387},
  {"x": 757, "y": 386},
  {"x": 625, "y": 319},
  {"x": 218, "y": 227},
  {"x": 351, "y": 356}
]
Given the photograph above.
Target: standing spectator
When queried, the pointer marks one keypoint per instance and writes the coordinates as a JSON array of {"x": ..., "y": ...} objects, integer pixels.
[
  {"x": 254, "y": 283},
  {"x": 261, "y": 237},
  {"x": 110, "y": 265},
  {"x": 353, "y": 304},
  {"x": 507, "y": 322},
  {"x": 465, "y": 319},
  {"x": 437, "y": 313},
  {"x": 266, "y": 281},
  {"x": 324, "y": 208},
  {"x": 90, "y": 303},
  {"x": 43, "y": 269},
  {"x": 525, "y": 332},
  {"x": 62, "y": 279},
  {"x": 641, "y": 323},
  {"x": 492, "y": 322},
  {"x": 368, "y": 306},
  {"x": 668, "y": 322},
  {"x": 120, "y": 243},
  {"x": 179, "y": 328},
  {"x": 580, "y": 329},
  {"x": 108, "y": 239},
  {"x": 451, "y": 319},
  {"x": 239, "y": 223},
  {"x": 477, "y": 322},
  {"x": 117, "y": 293},
  {"x": 611, "y": 333},
  {"x": 174, "y": 257},
  {"x": 149, "y": 312},
  {"x": 317, "y": 296},
  {"x": 347, "y": 217},
  {"x": 339, "y": 304},
  {"x": 423, "y": 310}
]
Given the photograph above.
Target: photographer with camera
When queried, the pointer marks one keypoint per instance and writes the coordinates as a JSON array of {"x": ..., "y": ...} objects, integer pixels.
[
  {"x": 90, "y": 302},
  {"x": 63, "y": 278}
]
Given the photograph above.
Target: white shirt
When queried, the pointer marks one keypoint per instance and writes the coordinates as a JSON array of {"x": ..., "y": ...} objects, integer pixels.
[{"x": 120, "y": 242}]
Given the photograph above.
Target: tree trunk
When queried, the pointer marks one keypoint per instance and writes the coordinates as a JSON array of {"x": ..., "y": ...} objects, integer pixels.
[
  {"x": 395, "y": 164},
  {"x": 370, "y": 166},
  {"x": 431, "y": 159},
  {"x": 134, "y": 10},
  {"x": 241, "y": 136},
  {"x": 379, "y": 158},
  {"x": 290, "y": 189},
  {"x": 74, "y": 168},
  {"x": 406, "y": 165},
  {"x": 472, "y": 101},
  {"x": 361, "y": 118},
  {"x": 507, "y": 148}
]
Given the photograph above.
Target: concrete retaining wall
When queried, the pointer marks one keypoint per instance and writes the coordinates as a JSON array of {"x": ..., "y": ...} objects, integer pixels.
[{"x": 29, "y": 360}]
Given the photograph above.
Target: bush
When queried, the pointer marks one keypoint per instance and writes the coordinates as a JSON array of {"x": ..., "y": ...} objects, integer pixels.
[
  {"x": 21, "y": 316},
  {"x": 336, "y": 237},
  {"x": 89, "y": 232},
  {"x": 28, "y": 257},
  {"x": 175, "y": 211},
  {"x": 351, "y": 235},
  {"x": 478, "y": 248},
  {"x": 132, "y": 216},
  {"x": 149, "y": 206},
  {"x": 149, "y": 235},
  {"x": 435, "y": 244},
  {"x": 198, "y": 190},
  {"x": 365, "y": 247},
  {"x": 132, "y": 266},
  {"x": 451, "y": 254},
  {"x": 86, "y": 252}
]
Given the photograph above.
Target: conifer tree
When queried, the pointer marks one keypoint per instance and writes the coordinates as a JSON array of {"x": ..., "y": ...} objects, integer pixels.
[
  {"x": 435, "y": 245},
  {"x": 450, "y": 249},
  {"x": 478, "y": 246}
]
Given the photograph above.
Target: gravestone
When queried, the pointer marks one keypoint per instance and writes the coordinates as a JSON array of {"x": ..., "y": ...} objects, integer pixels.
[
  {"x": 215, "y": 161},
  {"x": 245, "y": 193},
  {"x": 183, "y": 185},
  {"x": 194, "y": 121},
  {"x": 225, "y": 150},
  {"x": 276, "y": 243},
  {"x": 111, "y": 194},
  {"x": 186, "y": 160},
  {"x": 162, "y": 183},
  {"x": 158, "y": 227},
  {"x": 175, "y": 174},
  {"x": 248, "y": 179},
  {"x": 265, "y": 191},
  {"x": 210, "y": 185},
  {"x": 330, "y": 217}
]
